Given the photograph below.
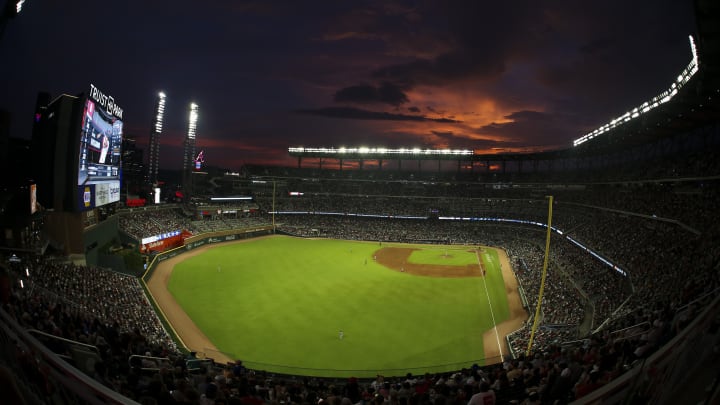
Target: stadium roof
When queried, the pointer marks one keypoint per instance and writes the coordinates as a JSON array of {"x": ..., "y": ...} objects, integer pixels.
[{"x": 696, "y": 105}]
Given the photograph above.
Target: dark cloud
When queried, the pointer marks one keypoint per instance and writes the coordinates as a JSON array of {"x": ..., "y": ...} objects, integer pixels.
[
  {"x": 446, "y": 135},
  {"x": 386, "y": 93},
  {"x": 597, "y": 45},
  {"x": 434, "y": 110},
  {"x": 360, "y": 114},
  {"x": 363, "y": 93},
  {"x": 480, "y": 39},
  {"x": 444, "y": 69},
  {"x": 462, "y": 140},
  {"x": 414, "y": 109},
  {"x": 531, "y": 128}
]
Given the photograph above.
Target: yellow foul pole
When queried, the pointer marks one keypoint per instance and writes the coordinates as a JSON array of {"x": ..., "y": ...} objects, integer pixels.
[
  {"x": 542, "y": 281},
  {"x": 273, "y": 208}
]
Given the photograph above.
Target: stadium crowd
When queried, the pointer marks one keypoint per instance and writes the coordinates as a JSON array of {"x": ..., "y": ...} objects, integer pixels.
[
  {"x": 141, "y": 223},
  {"x": 596, "y": 322}
]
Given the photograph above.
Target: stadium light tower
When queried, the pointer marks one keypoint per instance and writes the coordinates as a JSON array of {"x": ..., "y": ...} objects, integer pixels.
[
  {"x": 189, "y": 157},
  {"x": 11, "y": 10},
  {"x": 157, "y": 126},
  {"x": 189, "y": 153}
]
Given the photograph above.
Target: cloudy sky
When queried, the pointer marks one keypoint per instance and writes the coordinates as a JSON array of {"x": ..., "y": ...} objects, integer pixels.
[{"x": 267, "y": 75}]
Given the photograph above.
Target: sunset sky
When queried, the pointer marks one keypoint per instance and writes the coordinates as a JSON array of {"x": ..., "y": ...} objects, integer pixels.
[{"x": 491, "y": 76}]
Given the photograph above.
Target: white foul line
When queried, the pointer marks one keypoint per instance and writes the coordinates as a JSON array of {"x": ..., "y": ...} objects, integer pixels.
[{"x": 497, "y": 336}]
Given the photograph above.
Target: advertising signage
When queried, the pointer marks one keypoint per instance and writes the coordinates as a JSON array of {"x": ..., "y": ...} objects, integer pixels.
[{"x": 100, "y": 148}]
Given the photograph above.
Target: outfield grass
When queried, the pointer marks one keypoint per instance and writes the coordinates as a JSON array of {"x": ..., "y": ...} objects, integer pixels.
[{"x": 278, "y": 304}]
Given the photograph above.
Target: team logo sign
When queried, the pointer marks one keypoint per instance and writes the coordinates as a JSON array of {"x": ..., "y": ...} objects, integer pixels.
[{"x": 86, "y": 197}]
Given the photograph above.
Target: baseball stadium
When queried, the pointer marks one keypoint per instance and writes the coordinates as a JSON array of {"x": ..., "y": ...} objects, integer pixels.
[{"x": 369, "y": 275}]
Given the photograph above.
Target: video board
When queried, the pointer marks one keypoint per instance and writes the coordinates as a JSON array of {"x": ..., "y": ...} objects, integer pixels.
[{"x": 100, "y": 150}]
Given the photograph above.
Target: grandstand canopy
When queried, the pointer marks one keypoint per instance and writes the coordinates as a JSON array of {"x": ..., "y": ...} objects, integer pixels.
[{"x": 696, "y": 105}]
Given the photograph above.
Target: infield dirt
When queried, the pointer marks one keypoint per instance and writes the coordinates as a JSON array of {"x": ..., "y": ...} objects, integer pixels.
[{"x": 396, "y": 258}]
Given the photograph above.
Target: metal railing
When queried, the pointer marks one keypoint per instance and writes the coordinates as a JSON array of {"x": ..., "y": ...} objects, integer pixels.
[{"x": 42, "y": 376}]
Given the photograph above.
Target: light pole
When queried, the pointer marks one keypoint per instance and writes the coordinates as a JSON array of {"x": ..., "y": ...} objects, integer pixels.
[{"x": 12, "y": 8}]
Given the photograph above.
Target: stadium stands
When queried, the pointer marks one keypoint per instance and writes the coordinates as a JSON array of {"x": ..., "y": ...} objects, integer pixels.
[
  {"x": 141, "y": 223},
  {"x": 597, "y": 323}
]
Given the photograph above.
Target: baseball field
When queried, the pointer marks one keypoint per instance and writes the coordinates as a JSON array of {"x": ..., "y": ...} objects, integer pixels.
[{"x": 341, "y": 308}]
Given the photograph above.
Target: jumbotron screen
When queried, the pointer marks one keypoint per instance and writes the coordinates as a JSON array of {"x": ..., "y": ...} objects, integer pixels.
[{"x": 100, "y": 150}]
